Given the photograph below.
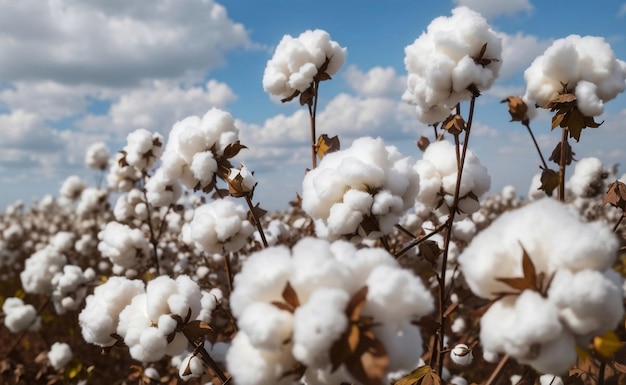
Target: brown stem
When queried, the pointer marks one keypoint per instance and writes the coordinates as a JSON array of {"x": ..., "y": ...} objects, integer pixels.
[
  {"x": 153, "y": 238},
  {"x": 562, "y": 167},
  {"x": 601, "y": 373},
  {"x": 618, "y": 223},
  {"x": 229, "y": 275},
  {"x": 417, "y": 241},
  {"x": 312, "y": 114},
  {"x": 498, "y": 370},
  {"x": 257, "y": 222},
  {"x": 543, "y": 161},
  {"x": 206, "y": 357},
  {"x": 448, "y": 235}
]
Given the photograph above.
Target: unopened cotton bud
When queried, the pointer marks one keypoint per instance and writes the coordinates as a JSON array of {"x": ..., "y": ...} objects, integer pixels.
[
  {"x": 240, "y": 182},
  {"x": 461, "y": 355}
]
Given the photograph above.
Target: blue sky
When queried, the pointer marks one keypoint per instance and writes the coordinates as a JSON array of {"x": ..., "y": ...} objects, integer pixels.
[{"x": 76, "y": 72}]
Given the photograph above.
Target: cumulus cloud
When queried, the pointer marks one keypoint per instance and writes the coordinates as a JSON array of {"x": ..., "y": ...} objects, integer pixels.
[
  {"x": 622, "y": 10},
  {"x": 114, "y": 43},
  {"x": 493, "y": 8},
  {"x": 377, "y": 82},
  {"x": 21, "y": 130}
]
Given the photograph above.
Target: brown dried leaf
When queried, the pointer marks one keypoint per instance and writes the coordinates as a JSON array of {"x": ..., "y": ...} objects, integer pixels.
[
  {"x": 549, "y": 181},
  {"x": 356, "y": 304},
  {"x": 413, "y": 377},
  {"x": 232, "y": 150},
  {"x": 556, "y": 154},
  {"x": 423, "y": 143},
  {"x": 291, "y": 97},
  {"x": 122, "y": 161},
  {"x": 257, "y": 212},
  {"x": 327, "y": 145},
  {"x": 573, "y": 379},
  {"x": 196, "y": 330},
  {"x": 575, "y": 122},
  {"x": 528, "y": 281},
  {"x": 369, "y": 364},
  {"x": 616, "y": 195},
  {"x": 454, "y": 124},
  {"x": 321, "y": 76},
  {"x": 560, "y": 100},
  {"x": 290, "y": 296},
  {"x": 369, "y": 224},
  {"x": 517, "y": 108},
  {"x": 430, "y": 251},
  {"x": 306, "y": 97}
]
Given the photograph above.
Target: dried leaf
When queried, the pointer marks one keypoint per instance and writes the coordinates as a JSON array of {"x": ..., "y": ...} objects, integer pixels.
[
  {"x": 290, "y": 97},
  {"x": 356, "y": 304},
  {"x": 423, "y": 143},
  {"x": 257, "y": 212},
  {"x": 196, "y": 330},
  {"x": 369, "y": 364},
  {"x": 430, "y": 251},
  {"x": 327, "y": 145},
  {"x": 454, "y": 124},
  {"x": 306, "y": 97},
  {"x": 369, "y": 224},
  {"x": 528, "y": 281},
  {"x": 549, "y": 181},
  {"x": 290, "y": 296},
  {"x": 413, "y": 377},
  {"x": 233, "y": 149},
  {"x": 575, "y": 122},
  {"x": 616, "y": 195},
  {"x": 518, "y": 109},
  {"x": 431, "y": 378},
  {"x": 556, "y": 154},
  {"x": 323, "y": 76}
]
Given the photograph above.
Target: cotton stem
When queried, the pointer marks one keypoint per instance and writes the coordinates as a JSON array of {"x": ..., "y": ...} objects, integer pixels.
[
  {"x": 497, "y": 371},
  {"x": 543, "y": 161},
  {"x": 562, "y": 166},
  {"x": 257, "y": 222},
  {"x": 312, "y": 115}
]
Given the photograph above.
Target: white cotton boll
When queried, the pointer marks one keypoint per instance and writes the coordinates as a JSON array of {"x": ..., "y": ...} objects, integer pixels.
[
  {"x": 40, "y": 268},
  {"x": 162, "y": 191},
  {"x": 208, "y": 303},
  {"x": 458, "y": 326},
  {"x": 556, "y": 356},
  {"x": 266, "y": 326},
  {"x": 122, "y": 177},
  {"x": 395, "y": 295},
  {"x": 314, "y": 266},
  {"x": 588, "y": 301},
  {"x": 220, "y": 226},
  {"x": 69, "y": 288},
  {"x": 495, "y": 325},
  {"x": 158, "y": 291},
  {"x": 203, "y": 166},
  {"x": 151, "y": 347},
  {"x": 192, "y": 366},
  {"x": 343, "y": 219},
  {"x": 496, "y": 252},
  {"x": 97, "y": 156},
  {"x": 457, "y": 380},
  {"x": 361, "y": 262},
  {"x": 262, "y": 278},
  {"x": 534, "y": 191},
  {"x": 152, "y": 374},
  {"x": 18, "y": 316},
  {"x": 441, "y": 65},
  {"x": 99, "y": 318},
  {"x": 461, "y": 355},
  {"x": 166, "y": 324},
  {"x": 143, "y": 148},
  {"x": 317, "y": 324},
  {"x": 587, "y": 99},
  {"x": 122, "y": 245},
  {"x": 515, "y": 379},
  {"x": 250, "y": 366},
  {"x": 60, "y": 354},
  {"x": 72, "y": 187},
  {"x": 587, "y": 177},
  {"x": 464, "y": 230},
  {"x": 62, "y": 241},
  {"x": 92, "y": 201}
]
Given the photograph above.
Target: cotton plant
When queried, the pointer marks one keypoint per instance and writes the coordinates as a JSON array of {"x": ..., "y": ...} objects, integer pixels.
[
  {"x": 360, "y": 192},
  {"x": 555, "y": 270},
  {"x": 296, "y": 308},
  {"x": 457, "y": 57},
  {"x": 298, "y": 66},
  {"x": 438, "y": 173}
]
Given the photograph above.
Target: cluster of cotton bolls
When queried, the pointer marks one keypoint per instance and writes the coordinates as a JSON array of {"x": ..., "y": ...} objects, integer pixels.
[
  {"x": 448, "y": 60},
  {"x": 124, "y": 246},
  {"x": 195, "y": 145},
  {"x": 43, "y": 265},
  {"x": 142, "y": 149},
  {"x": 162, "y": 191},
  {"x": 70, "y": 287},
  {"x": 130, "y": 206},
  {"x": 219, "y": 226},
  {"x": 97, "y": 156},
  {"x": 541, "y": 326},
  {"x": 438, "y": 174},
  {"x": 324, "y": 276},
  {"x": 360, "y": 192},
  {"x": 122, "y": 177},
  {"x": 19, "y": 316},
  {"x": 586, "y": 66},
  {"x": 297, "y": 61},
  {"x": 148, "y": 319}
]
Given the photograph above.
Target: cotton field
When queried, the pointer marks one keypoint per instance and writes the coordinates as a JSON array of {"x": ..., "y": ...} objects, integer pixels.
[{"x": 388, "y": 268}]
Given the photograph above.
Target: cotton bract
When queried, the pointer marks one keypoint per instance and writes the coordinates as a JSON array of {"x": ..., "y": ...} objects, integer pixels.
[
  {"x": 584, "y": 297},
  {"x": 445, "y": 62},
  {"x": 361, "y": 191},
  {"x": 585, "y": 66},
  {"x": 323, "y": 276},
  {"x": 297, "y": 60}
]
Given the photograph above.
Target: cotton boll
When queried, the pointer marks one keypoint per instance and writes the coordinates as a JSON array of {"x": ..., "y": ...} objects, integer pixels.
[
  {"x": 72, "y": 187},
  {"x": 40, "y": 268},
  {"x": 395, "y": 294},
  {"x": 18, "y": 316},
  {"x": 161, "y": 190},
  {"x": 403, "y": 344},
  {"x": 143, "y": 148},
  {"x": 266, "y": 326},
  {"x": 555, "y": 356},
  {"x": 584, "y": 299},
  {"x": 456, "y": 380},
  {"x": 550, "y": 379},
  {"x": 151, "y": 347},
  {"x": 251, "y": 366},
  {"x": 461, "y": 355},
  {"x": 60, "y": 354},
  {"x": 123, "y": 245},
  {"x": 97, "y": 156},
  {"x": 464, "y": 230},
  {"x": 192, "y": 366},
  {"x": 318, "y": 324},
  {"x": 587, "y": 177}
]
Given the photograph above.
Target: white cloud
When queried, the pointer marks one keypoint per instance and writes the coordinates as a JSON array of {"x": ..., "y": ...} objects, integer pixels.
[
  {"x": 21, "y": 130},
  {"x": 622, "y": 10},
  {"x": 158, "y": 105},
  {"x": 113, "y": 43},
  {"x": 518, "y": 51},
  {"x": 493, "y": 8},
  {"x": 377, "y": 82}
]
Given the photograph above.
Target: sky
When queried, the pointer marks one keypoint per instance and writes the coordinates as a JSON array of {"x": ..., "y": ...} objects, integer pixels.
[{"x": 75, "y": 72}]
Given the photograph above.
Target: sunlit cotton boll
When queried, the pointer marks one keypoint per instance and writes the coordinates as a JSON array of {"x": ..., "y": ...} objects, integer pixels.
[
  {"x": 587, "y": 178},
  {"x": 98, "y": 320},
  {"x": 97, "y": 156},
  {"x": 438, "y": 176},
  {"x": 585, "y": 65},
  {"x": 194, "y": 145},
  {"x": 40, "y": 268},
  {"x": 19, "y": 316},
  {"x": 122, "y": 245},
  {"x": 297, "y": 60},
  {"x": 60, "y": 354},
  {"x": 143, "y": 148},
  {"x": 445, "y": 61},
  {"x": 360, "y": 192},
  {"x": 220, "y": 226},
  {"x": 162, "y": 191}
]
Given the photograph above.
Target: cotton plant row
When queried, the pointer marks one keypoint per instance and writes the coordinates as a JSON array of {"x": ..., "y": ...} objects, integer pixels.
[{"x": 389, "y": 269}]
